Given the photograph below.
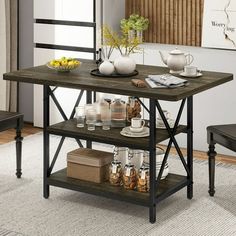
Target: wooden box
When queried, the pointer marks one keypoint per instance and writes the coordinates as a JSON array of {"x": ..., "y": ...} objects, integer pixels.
[{"x": 90, "y": 165}]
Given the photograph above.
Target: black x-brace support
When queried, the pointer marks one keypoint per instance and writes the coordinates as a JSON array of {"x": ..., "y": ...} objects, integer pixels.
[
  {"x": 172, "y": 132},
  {"x": 170, "y": 141},
  {"x": 52, "y": 95},
  {"x": 155, "y": 180}
]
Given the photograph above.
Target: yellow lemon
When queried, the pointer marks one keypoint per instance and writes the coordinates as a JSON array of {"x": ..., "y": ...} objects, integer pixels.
[
  {"x": 57, "y": 64},
  {"x": 71, "y": 63},
  {"x": 64, "y": 63}
]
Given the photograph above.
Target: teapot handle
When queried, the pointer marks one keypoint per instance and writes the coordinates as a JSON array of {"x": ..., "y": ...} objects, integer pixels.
[{"x": 189, "y": 58}]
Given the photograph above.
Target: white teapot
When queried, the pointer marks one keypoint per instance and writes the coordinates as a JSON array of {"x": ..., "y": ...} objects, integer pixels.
[{"x": 177, "y": 60}]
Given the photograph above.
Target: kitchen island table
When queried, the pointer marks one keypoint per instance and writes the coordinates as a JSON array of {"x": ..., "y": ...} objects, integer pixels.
[{"x": 83, "y": 80}]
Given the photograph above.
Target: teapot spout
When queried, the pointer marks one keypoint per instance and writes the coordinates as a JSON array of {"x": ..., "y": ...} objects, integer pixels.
[{"x": 164, "y": 59}]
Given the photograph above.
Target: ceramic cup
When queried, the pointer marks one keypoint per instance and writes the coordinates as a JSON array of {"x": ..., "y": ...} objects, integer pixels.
[
  {"x": 167, "y": 116},
  {"x": 190, "y": 70},
  {"x": 137, "y": 124}
]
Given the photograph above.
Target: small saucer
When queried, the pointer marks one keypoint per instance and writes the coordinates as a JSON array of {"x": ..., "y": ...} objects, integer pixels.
[
  {"x": 136, "y": 130},
  {"x": 191, "y": 76},
  {"x": 126, "y": 132}
]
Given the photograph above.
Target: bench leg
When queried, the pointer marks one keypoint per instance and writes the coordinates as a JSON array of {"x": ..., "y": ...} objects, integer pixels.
[
  {"x": 211, "y": 161},
  {"x": 18, "y": 139}
]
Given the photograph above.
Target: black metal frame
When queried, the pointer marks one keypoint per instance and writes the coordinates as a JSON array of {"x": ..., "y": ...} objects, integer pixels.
[
  {"x": 71, "y": 23},
  {"x": 154, "y": 180},
  {"x": 48, "y": 92},
  {"x": 153, "y": 104}
]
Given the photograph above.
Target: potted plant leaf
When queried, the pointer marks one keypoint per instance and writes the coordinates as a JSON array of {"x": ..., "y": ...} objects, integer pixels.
[
  {"x": 135, "y": 25},
  {"x": 128, "y": 26},
  {"x": 123, "y": 64},
  {"x": 140, "y": 25}
]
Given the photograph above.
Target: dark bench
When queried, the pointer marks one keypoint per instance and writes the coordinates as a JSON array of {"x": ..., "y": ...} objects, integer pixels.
[
  {"x": 9, "y": 120},
  {"x": 224, "y": 135}
]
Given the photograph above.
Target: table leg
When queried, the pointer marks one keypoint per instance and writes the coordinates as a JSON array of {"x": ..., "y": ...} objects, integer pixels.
[
  {"x": 211, "y": 162},
  {"x": 152, "y": 161},
  {"x": 18, "y": 139},
  {"x": 46, "y": 157},
  {"x": 190, "y": 146}
]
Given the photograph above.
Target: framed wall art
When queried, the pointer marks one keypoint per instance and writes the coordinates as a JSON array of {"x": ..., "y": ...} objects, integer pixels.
[{"x": 219, "y": 24}]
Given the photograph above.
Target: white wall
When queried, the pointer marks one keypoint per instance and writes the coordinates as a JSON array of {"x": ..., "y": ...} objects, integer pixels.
[
  {"x": 113, "y": 12},
  {"x": 214, "y": 106}
]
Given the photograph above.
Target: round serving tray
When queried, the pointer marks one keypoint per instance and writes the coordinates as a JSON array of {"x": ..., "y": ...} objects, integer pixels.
[{"x": 96, "y": 72}]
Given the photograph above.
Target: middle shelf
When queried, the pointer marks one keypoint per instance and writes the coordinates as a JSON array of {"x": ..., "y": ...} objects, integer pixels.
[{"x": 112, "y": 136}]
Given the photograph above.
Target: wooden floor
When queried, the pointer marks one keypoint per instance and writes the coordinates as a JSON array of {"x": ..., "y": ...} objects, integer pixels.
[{"x": 8, "y": 136}]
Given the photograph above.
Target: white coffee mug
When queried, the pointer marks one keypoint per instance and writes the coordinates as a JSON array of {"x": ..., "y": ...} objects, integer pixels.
[
  {"x": 137, "y": 122},
  {"x": 190, "y": 70}
]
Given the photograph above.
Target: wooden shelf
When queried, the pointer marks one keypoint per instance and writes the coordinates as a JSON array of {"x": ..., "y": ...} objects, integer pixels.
[
  {"x": 112, "y": 136},
  {"x": 171, "y": 184}
]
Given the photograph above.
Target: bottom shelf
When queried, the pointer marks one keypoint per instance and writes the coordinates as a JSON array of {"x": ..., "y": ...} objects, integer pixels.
[{"x": 171, "y": 184}]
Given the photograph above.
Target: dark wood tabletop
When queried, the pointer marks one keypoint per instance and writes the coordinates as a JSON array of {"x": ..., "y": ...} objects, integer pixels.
[{"x": 82, "y": 79}]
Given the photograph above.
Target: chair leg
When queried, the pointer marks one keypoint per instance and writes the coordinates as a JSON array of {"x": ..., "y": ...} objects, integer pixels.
[
  {"x": 211, "y": 161},
  {"x": 18, "y": 139}
]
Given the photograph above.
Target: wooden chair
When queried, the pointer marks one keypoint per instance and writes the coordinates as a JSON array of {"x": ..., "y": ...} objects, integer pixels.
[
  {"x": 224, "y": 135},
  {"x": 9, "y": 120}
]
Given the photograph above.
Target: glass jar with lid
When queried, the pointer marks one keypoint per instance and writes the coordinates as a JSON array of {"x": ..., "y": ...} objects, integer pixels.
[
  {"x": 129, "y": 174},
  {"x": 115, "y": 173},
  {"x": 121, "y": 154},
  {"x": 115, "y": 170},
  {"x": 118, "y": 113},
  {"x": 143, "y": 179},
  {"x": 133, "y": 108}
]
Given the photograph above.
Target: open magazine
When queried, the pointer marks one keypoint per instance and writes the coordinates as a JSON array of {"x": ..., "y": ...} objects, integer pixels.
[{"x": 165, "y": 81}]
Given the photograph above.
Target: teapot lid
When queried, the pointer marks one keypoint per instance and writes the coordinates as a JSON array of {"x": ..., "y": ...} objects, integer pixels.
[{"x": 176, "y": 51}]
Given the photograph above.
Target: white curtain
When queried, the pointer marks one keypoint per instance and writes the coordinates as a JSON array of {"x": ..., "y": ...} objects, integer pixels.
[
  {"x": 8, "y": 53},
  {"x": 3, "y": 46}
]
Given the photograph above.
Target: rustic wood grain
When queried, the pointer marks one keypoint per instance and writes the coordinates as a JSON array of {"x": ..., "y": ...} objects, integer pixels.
[
  {"x": 171, "y": 21},
  {"x": 158, "y": 21},
  {"x": 68, "y": 129},
  {"x": 180, "y": 22},
  {"x": 193, "y": 22},
  {"x": 28, "y": 129},
  {"x": 155, "y": 25},
  {"x": 146, "y": 14},
  {"x": 167, "y": 22},
  {"x": 81, "y": 79},
  {"x": 172, "y": 181},
  {"x": 150, "y": 16},
  {"x": 184, "y": 31},
  {"x": 163, "y": 28},
  {"x": 175, "y": 19},
  {"x": 198, "y": 24},
  {"x": 171, "y": 16}
]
